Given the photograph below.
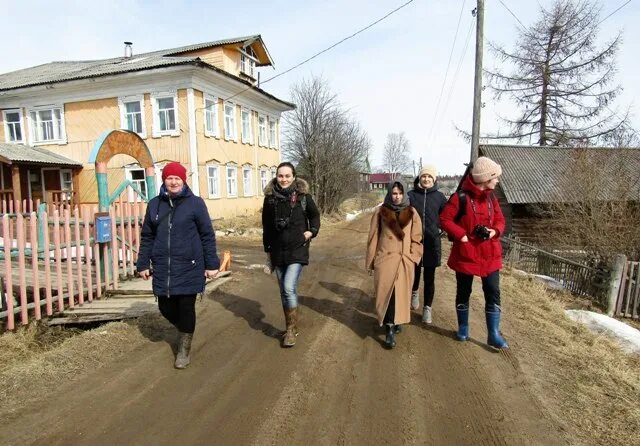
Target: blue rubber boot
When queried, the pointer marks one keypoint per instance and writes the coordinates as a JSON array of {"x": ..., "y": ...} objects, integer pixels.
[
  {"x": 463, "y": 322},
  {"x": 390, "y": 341},
  {"x": 494, "y": 338}
]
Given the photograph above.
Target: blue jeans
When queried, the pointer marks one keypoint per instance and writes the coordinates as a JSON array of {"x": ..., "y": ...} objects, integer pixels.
[{"x": 288, "y": 280}]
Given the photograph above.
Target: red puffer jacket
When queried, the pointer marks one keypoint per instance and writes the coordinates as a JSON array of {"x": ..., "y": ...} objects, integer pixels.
[{"x": 477, "y": 257}]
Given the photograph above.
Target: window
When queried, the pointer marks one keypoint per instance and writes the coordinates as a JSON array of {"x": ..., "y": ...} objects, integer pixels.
[
  {"x": 248, "y": 62},
  {"x": 264, "y": 178},
  {"x": 210, "y": 115},
  {"x": 13, "y": 126},
  {"x": 273, "y": 172},
  {"x": 66, "y": 183},
  {"x": 232, "y": 181},
  {"x": 230, "y": 121},
  {"x": 165, "y": 114},
  {"x": 247, "y": 136},
  {"x": 262, "y": 131},
  {"x": 246, "y": 181},
  {"x": 138, "y": 177},
  {"x": 132, "y": 114},
  {"x": 47, "y": 125},
  {"x": 272, "y": 134},
  {"x": 213, "y": 181}
]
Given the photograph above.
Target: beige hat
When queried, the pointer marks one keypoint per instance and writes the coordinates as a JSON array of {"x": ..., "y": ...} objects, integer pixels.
[
  {"x": 429, "y": 170},
  {"x": 485, "y": 169}
]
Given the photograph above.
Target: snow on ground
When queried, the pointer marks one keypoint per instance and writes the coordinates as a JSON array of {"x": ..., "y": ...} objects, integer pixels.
[{"x": 626, "y": 336}]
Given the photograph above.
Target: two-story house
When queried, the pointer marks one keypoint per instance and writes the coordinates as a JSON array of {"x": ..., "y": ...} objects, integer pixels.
[{"x": 199, "y": 104}]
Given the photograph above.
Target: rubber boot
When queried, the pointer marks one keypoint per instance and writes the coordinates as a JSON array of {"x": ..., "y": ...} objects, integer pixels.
[
  {"x": 183, "y": 358},
  {"x": 390, "y": 340},
  {"x": 291, "y": 318},
  {"x": 494, "y": 339},
  {"x": 398, "y": 328},
  {"x": 415, "y": 300},
  {"x": 463, "y": 322}
]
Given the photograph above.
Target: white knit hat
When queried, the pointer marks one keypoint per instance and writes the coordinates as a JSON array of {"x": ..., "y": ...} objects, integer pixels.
[
  {"x": 485, "y": 169},
  {"x": 429, "y": 170}
]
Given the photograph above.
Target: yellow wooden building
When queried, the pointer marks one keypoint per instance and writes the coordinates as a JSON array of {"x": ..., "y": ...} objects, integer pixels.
[{"x": 200, "y": 105}]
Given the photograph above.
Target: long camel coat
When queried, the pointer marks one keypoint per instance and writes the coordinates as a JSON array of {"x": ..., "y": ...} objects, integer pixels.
[{"x": 393, "y": 250}]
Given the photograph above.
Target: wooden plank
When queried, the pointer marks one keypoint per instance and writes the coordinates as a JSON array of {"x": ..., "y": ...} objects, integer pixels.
[
  {"x": 34, "y": 265},
  {"x": 636, "y": 297},
  {"x": 47, "y": 270},
  {"x": 628, "y": 283},
  {"x": 8, "y": 294},
  {"x": 621, "y": 291},
  {"x": 24, "y": 316}
]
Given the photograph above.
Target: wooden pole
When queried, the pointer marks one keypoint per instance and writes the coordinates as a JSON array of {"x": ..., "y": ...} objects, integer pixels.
[
  {"x": 615, "y": 282},
  {"x": 477, "y": 82}
]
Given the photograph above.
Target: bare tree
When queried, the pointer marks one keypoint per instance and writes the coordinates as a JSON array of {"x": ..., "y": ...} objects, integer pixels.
[
  {"x": 396, "y": 156},
  {"x": 328, "y": 146},
  {"x": 559, "y": 78},
  {"x": 598, "y": 208}
]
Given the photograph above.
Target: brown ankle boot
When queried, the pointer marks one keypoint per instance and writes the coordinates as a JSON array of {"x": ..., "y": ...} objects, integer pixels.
[{"x": 291, "y": 317}]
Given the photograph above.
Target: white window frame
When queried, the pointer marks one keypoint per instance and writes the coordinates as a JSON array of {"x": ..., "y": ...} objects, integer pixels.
[
  {"x": 20, "y": 123},
  {"x": 127, "y": 174},
  {"x": 248, "y": 138},
  {"x": 264, "y": 181},
  {"x": 248, "y": 62},
  {"x": 155, "y": 97},
  {"x": 273, "y": 142},
  {"x": 262, "y": 131},
  {"x": 247, "y": 191},
  {"x": 273, "y": 172},
  {"x": 122, "y": 104},
  {"x": 232, "y": 192},
  {"x": 33, "y": 126},
  {"x": 209, "y": 178},
  {"x": 232, "y": 133},
  {"x": 215, "y": 131}
]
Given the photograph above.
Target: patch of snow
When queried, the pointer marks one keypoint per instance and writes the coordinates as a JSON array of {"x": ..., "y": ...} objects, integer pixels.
[{"x": 626, "y": 336}]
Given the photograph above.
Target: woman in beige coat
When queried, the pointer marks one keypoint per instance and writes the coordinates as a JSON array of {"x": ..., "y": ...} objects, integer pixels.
[{"x": 394, "y": 248}]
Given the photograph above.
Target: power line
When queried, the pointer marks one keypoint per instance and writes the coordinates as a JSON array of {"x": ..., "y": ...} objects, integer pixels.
[
  {"x": 328, "y": 48},
  {"x": 618, "y": 9},
  {"x": 514, "y": 16},
  {"x": 446, "y": 73}
]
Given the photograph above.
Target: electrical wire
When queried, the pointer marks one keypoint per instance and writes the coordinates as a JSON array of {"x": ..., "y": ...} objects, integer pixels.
[
  {"x": 446, "y": 74},
  {"x": 328, "y": 48}
]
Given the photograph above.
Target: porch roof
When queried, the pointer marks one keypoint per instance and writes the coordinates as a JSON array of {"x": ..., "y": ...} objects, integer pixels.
[{"x": 22, "y": 153}]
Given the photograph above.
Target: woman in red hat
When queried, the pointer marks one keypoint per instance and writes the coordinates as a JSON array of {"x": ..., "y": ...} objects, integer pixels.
[{"x": 178, "y": 244}]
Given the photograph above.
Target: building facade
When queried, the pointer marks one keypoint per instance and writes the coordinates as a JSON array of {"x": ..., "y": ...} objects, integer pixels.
[{"x": 199, "y": 104}]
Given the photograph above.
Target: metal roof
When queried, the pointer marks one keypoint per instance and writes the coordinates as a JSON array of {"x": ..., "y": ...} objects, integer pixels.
[
  {"x": 22, "y": 153},
  {"x": 541, "y": 174}
]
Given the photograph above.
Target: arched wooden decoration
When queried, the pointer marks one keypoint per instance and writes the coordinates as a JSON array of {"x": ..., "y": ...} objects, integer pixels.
[{"x": 120, "y": 142}]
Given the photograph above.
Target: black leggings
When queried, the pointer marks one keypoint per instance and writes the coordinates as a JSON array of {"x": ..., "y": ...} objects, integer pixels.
[
  {"x": 490, "y": 287},
  {"x": 180, "y": 311},
  {"x": 390, "y": 315},
  {"x": 429, "y": 283}
]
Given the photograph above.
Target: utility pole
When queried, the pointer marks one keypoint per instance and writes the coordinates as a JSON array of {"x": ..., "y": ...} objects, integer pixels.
[{"x": 477, "y": 84}]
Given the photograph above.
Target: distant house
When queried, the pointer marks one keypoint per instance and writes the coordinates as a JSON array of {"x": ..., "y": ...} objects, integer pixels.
[
  {"x": 380, "y": 181},
  {"x": 535, "y": 177},
  {"x": 199, "y": 104},
  {"x": 364, "y": 184}
]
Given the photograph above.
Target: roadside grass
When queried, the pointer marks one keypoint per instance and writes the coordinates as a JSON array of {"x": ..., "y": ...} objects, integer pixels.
[
  {"x": 35, "y": 358},
  {"x": 585, "y": 381}
]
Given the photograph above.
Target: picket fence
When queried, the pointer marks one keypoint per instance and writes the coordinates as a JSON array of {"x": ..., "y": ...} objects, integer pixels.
[
  {"x": 51, "y": 260},
  {"x": 628, "y": 299}
]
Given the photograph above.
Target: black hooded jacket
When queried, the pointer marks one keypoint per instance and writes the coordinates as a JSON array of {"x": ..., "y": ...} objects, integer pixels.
[
  {"x": 428, "y": 203},
  {"x": 287, "y": 245}
]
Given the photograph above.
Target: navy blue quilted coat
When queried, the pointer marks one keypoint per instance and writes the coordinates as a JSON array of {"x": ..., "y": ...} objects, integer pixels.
[{"x": 178, "y": 242}]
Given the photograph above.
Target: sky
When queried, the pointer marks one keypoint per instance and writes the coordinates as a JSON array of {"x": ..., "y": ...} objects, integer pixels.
[{"x": 389, "y": 77}]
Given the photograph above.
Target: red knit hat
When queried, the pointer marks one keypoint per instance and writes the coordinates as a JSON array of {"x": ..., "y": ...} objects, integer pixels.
[{"x": 176, "y": 169}]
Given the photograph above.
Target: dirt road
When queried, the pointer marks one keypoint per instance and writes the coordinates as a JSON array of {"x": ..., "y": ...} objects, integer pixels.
[{"x": 338, "y": 385}]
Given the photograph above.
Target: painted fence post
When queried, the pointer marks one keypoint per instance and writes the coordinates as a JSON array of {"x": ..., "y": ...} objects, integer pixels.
[
  {"x": 615, "y": 282},
  {"x": 43, "y": 225}
]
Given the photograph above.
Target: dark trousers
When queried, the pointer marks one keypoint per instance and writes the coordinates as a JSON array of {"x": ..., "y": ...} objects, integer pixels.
[
  {"x": 429, "y": 282},
  {"x": 390, "y": 315},
  {"x": 490, "y": 287},
  {"x": 180, "y": 311}
]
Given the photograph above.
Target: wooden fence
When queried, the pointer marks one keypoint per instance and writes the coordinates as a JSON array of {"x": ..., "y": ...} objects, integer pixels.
[
  {"x": 628, "y": 297},
  {"x": 51, "y": 260},
  {"x": 580, "y": 279}
]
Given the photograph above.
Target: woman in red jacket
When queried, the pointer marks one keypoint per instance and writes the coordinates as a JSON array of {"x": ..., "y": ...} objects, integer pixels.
[{"x": 476, "y": 251}]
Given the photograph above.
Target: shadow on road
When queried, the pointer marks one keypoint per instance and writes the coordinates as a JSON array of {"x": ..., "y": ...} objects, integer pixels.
[
  {"x": 249, "y": 310},
  {"x": 353, "y": 312},
  {"x": 156, "y": 328}
]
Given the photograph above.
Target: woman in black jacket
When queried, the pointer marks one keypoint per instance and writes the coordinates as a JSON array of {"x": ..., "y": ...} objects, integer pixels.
[
  {"x": 428, "y": 201},
  {"x": 290, "y": 219},
  {"x": 179, "y": 243}
]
